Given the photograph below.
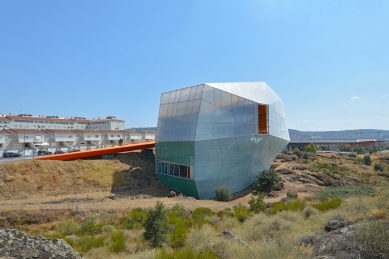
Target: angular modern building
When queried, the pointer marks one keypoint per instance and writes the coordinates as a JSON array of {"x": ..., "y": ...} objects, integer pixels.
[{"x": 218, "y": 134}]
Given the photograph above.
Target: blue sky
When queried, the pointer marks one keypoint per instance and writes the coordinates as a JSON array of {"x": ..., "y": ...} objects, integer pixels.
[{"x": 328, "y": 60}]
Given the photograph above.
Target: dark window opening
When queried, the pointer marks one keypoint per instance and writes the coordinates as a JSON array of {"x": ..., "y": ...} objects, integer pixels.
[{"x": 262, "y": 119}]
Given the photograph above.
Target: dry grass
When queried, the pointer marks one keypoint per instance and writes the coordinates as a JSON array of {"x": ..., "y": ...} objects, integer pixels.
[{"x": 23, "y": 179}]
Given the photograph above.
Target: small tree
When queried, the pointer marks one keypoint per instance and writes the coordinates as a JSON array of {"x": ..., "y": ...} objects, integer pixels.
[
  {"x": 156, "y": 225},
  {"x": 367, "y": 160},
  {"x": 296, "y": 150},
  {"x": 311, "y": 148},
  {"x": 258, "y": 204},
  {"x": 267, "y": 180},
  {"x": 121, "y": 141},
  {"x": 222, "y": 193}
]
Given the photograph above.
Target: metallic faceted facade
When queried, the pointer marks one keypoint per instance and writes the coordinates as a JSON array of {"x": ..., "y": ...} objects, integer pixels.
[{"x": 218, "y": 134}]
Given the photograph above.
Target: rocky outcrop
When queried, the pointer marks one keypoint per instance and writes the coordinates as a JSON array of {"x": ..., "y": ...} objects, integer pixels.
[
  {"x": 338, "y": 242},
  {"x": 16, "y": 244}
]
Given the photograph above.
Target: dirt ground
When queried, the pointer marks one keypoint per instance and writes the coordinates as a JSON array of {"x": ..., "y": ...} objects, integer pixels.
[{"x": 139, "y": 178}]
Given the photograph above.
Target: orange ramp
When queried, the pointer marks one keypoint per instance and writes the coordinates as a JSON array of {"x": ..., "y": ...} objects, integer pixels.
[{"x": 98, "y": 152}]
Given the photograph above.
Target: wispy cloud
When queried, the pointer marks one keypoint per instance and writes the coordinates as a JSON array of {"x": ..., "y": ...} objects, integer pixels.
[
  {"x": 384, "y": 96},
  {"x": 355, "y": 97}
]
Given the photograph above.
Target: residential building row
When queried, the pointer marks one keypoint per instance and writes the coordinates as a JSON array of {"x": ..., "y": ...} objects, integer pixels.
[
  {"x": 27, "y": 134},
  {"x": 29, "y": 141},
  {"x": 28, "y": 121}
]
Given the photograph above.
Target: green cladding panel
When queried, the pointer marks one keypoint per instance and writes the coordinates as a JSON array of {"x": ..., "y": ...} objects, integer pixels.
[
  {"x": 185, "y": 186},
  {"x": 178, "y": 152}
]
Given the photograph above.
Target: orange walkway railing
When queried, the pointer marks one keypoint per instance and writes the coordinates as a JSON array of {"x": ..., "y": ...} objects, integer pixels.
[{"x": 98, "y": 152}]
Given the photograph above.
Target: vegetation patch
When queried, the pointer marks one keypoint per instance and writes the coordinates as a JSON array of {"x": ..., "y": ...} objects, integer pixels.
[{"x": 342, "y": 192}]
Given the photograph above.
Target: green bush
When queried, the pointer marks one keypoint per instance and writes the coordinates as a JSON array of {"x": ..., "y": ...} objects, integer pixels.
[
  {"x": 311, "y": 148},
  {"x": 296, "y": 150},
  {"x": 187, "y": 253},
  {"x": 267, "y": 180},
  {"x": 292, "y": 195},
  {"x": 328, "y": 205},
  {"x": 156, "y": 225},
  {"x": 178, "y": 210},
  {"x": 180, "y": 225},
  {"x": 199, "y": 214},
  {"x": 241, "y": 212},
  {"x": 378, "y": 167},
  {"x": 86, "y": 243},
  {"x": 67, "y": 227},
  {"x": 89, "y": 228},
  {"x": 287, "y": 206},
  {"x": 222, "y": 193},
  {"x": 258, "y": 204},
  {"x": 342, "y": 192},
  {"x": 118, "y": 240},
  {"x": 367, "y": 160},
  {"x": 227, "y": 212},
  {"x": 139, "y": 215}
]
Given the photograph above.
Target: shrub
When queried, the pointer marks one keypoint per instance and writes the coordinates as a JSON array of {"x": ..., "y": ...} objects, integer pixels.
[
  {"x": 187, "y": 253},
  {"x": 199, "y": 213},
  {"x": 373, "y": 236},
  {"x": 328, "y": 205},
  {"x": 292, "y": 195},
  {"x": 285, "y": 206},
  {"x": 227, "y": 212},
  {"x": 367, "y": 160},
  {"x": 309, "y": 211},
  {"x": 156, "y": 225},
  {"x": 346, "y": 191},
  {"x": 108, "y": 229},
  {"x": 241, "y": 212},
  {"x": 118, "y": 241},
  {"x": 85, "y": 244},
  {"x": 139, "y": 215},
  {"x": 222, "y": 193},
  {"x": 257, "y": 204},
  {"x": 89, "y": 228},
  {"x": 178, "y": 210},
  {"x": 378, "y": 167},
  {"x": 296, "y": 150},
  {"x": 267, "y": 179},
  {"x": 67, "y": 227}
]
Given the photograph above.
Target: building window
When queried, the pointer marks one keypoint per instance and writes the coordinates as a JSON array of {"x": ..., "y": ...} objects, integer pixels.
[
  {"x": 262, "y": 119},
  {"x": 15, "y": 137},
  {"x": 17, "y": 145},
  {"x": 96, "y": 136},
  {"x": 181, "y": 171}
]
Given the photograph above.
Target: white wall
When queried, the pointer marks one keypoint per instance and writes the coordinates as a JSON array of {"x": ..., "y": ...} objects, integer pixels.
[
  {"x": 92, "y": 137},
  {"x": 30, "y": 138},
  {"x": 65, "y": 137}
]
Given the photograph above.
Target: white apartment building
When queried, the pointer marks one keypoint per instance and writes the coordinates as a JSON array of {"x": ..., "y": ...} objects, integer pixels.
[
  {"x": 28, "y": 121},
  {"x": 26, "y": 134}
]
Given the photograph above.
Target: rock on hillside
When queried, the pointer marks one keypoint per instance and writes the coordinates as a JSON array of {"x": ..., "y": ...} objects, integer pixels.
[{"x": 16, "y": 244}]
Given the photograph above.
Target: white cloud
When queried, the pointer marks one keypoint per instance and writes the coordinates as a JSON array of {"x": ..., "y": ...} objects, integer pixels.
[
  {"x": 384, "y": 96},
  {"x": 355, "y": 97}
]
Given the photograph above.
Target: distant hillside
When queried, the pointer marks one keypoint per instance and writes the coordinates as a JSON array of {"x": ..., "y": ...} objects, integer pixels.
[{"x": 343, "y": 134}]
